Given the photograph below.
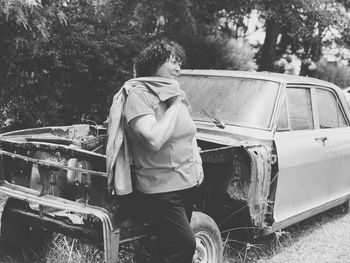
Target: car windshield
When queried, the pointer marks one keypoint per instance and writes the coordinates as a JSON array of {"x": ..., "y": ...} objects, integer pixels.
[{"x": 232, "y": 100}]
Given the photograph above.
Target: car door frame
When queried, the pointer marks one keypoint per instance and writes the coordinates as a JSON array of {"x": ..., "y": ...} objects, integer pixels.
[
  {"x": 283, "y": 217},
  {"x": 338, "y": 149}
]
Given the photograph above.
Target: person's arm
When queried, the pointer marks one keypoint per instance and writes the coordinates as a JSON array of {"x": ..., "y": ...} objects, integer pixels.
[{"x": 155, "y": 133}]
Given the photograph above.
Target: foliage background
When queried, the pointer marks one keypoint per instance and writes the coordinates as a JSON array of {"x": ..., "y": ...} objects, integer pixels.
[{"x": 60, "y": 59}]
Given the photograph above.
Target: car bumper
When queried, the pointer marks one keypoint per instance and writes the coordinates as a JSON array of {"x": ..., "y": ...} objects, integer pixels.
[{"x": 111, "y": 235}]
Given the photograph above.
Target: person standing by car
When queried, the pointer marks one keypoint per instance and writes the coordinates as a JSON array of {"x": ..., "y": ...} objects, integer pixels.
[{"x": 161, "y": 135}]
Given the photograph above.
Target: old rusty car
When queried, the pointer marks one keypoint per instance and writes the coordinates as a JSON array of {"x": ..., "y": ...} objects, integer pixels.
[{"x": 275, "y": 151}]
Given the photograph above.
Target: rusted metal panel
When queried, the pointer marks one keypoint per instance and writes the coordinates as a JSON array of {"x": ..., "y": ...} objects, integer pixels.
[
  {"x": 111, "y": 234},
  {"x": 260, "y": 184},
  {"x": 219, "y": 155},
  {"x": 52, "y": 163}
]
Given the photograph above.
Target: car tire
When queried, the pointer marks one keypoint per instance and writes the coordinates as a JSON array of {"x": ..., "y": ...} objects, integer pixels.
[
  {"x": 17, "y": 236},
  {"x": 208, "y": 239}
]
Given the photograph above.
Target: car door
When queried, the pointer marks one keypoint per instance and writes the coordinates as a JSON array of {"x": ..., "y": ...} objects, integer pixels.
[
  {"x": 334, "y": 123},
  {"x": 301, "y": 154}
]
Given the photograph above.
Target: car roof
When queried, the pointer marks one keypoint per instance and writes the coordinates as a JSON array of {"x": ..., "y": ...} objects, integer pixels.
[{"x": 278, "y": 77}]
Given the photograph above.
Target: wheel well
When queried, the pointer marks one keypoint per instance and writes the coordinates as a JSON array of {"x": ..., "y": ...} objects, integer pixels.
[{"x": 224, "y": 192}]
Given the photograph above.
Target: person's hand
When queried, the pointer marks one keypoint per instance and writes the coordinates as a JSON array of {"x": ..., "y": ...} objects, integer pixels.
[{"x": 200, "y": 176}]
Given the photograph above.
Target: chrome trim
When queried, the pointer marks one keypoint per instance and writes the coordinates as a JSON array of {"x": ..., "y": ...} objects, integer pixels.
[
  {"x": 110, "y": 234},
  {"x": 48, "y": 163}
]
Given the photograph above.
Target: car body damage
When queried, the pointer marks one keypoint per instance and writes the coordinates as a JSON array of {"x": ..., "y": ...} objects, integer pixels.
[
  {"x": 275, "y": 151},
  {"x": 239, "y": 176},
  {"x": 53, "y": 163}
]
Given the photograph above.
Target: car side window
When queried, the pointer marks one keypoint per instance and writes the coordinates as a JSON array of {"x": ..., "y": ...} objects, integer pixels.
[
  {"x": 300, "y": 110},
  {"x": 329, "y": 112}
]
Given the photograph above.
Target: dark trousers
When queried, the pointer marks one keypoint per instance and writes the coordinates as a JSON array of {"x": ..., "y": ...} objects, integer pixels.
[{"x": 172, "y": 212}]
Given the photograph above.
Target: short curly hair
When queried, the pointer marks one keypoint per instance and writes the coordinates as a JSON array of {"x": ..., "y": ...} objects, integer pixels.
[{"x": 156, "y": 54}]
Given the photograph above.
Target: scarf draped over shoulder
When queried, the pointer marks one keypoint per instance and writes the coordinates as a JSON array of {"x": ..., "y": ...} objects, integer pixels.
[{"x": 118, "y": 158}]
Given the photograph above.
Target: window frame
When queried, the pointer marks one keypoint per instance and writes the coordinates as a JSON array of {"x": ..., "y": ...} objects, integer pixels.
[
  {"x": 272, "y": 122},
  {"x": 338, "y": 105},
  {"x": 285, "y": 98},
  {"x": 314, "y": 109}
]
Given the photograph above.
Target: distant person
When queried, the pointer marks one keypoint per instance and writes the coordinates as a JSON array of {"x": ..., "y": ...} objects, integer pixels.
[
  {"x": 308, "y": 68},
  {"x": 290, "y": 63},
  {"x": 289, "y": 67},
  {"x": 285, "y": 65}
]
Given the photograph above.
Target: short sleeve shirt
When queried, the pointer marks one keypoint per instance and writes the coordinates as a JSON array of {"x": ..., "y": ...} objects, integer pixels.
[{"x": 177, "y": 165}]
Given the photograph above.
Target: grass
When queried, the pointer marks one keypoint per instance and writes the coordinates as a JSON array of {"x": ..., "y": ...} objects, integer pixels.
[
  {"x": 264, "y": 249},
  {"x": 243, "y": 252},
  {"x": 261, "y": 250},
  {"x": 62, "y": 248},
  {"x": 71, "y": 250},
  {"x": 65, "y": 249}
]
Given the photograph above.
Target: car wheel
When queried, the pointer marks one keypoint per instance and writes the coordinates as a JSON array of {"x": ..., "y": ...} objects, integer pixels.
[
  {"x": 208, "y": 239},
  {"x": 18, "y": 236}
]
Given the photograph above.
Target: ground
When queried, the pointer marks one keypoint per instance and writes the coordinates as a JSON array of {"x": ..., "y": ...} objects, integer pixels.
[
  {"x": 320, "y": 239},
  {"x": 327, "y": 242}
]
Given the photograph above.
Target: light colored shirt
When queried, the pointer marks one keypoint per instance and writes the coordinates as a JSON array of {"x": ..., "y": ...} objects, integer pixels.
[
  {"x": 177, "y": 165},
  {"x": 117, "y": 151}
]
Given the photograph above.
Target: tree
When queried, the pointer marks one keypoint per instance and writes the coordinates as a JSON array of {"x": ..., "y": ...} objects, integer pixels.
[
  {"x": 304, "y": 21},
  {"x": 62, "y": 59},
  {"x": 196, "y": 25},
  {"x": 24, "y": 27}
]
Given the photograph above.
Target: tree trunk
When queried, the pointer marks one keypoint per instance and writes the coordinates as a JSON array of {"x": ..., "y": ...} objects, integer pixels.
[
  {"x": 268, "y": 54},
  {"x": 316, "y": 49}
]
